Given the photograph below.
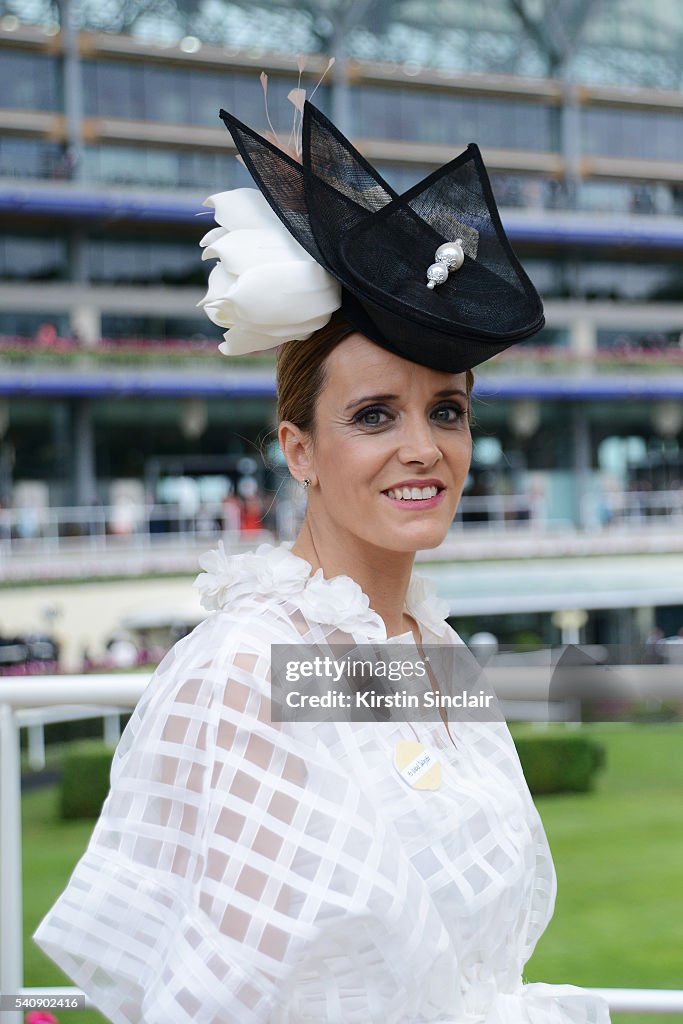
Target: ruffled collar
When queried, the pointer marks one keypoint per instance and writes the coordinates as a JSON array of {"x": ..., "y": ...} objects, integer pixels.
[{"x": 274, "y": 570}]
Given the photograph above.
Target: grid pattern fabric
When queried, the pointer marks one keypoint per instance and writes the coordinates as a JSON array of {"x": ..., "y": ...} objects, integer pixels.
[{"x": 248, "y": 872}]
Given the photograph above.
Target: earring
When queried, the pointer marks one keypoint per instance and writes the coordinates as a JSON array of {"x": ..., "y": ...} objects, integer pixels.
[{"x": 307, "y": 483}]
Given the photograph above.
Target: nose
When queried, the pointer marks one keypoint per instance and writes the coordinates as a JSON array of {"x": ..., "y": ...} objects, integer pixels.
[{"x": 418, "y": 443}]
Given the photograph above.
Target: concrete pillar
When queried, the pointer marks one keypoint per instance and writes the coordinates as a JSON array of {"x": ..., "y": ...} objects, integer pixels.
[
  {"x": 86, "y": 324},
  {"x": 61, "y": 483},
  {"x": 341, "y": 95},
  {"x": 570, "y": 131},
  {"x": 73, "y": 90},
  {"x": 83, "y": 448},
  {"x": 645, "y": 621},
  {"x": 584, "y": 337},
  {"x": 78, "y": 261},
  {"x": 112, "y": 729},
  {"x": 6, "y": 454},
  {"x": 584, "y": 515},
  {"x": 343, "y": 20}
]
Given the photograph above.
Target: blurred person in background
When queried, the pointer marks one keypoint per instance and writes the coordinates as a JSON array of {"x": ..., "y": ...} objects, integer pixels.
[
  {"x": 232, "y": 510},
  {"x": 251, "y": 517}
]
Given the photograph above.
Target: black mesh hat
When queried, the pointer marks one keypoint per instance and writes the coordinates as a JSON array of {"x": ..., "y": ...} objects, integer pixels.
[{"x": 430, "y": 274}]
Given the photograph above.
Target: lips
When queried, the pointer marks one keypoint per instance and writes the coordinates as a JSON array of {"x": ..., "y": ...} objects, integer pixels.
[
  {"x": 414, "y": 490},
  {"x": 412, "y": 493},
  {"x": 417, "y": 494}
]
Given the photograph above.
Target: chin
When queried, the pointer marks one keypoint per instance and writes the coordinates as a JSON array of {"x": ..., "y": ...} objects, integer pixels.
[{"x": 419, "y": 540}]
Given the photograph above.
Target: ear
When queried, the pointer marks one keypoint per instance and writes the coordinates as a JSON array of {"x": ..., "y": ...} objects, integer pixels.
[{"x": 297, "y": 449}]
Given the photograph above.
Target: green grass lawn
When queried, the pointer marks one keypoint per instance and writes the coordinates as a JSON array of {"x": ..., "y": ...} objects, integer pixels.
[
  {"x": 51, "y": 848},
  {"x": 618, "y": 852}
]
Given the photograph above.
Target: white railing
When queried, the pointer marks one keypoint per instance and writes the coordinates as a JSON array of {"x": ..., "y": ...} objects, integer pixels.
[
  {"x": 51, "y": 530},
  {"x": 20, "y": 696},
  {"x": 638, "y": 507},
  {"x": 100, "y": 528},
  {"x": 97, "y": 527}
]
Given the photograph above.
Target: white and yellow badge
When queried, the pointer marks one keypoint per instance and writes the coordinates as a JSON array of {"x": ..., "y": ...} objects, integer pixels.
[{"x": 417, "y": 765}]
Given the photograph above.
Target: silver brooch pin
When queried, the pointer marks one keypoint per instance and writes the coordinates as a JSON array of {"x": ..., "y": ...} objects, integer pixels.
[{"x": 448, "y": 256}]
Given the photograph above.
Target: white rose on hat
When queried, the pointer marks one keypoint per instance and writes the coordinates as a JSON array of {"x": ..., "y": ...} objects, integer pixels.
[{"x": 265, "y": 287}]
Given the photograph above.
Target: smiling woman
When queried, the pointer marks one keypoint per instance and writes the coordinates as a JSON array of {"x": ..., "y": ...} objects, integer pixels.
[
  {"x": 247, "y": 869},
  {"x": 385, "y": 445}
]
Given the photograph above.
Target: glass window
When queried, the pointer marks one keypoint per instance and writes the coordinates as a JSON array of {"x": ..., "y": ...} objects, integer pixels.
[
  {"x": 32, "y": 258},
  {"x": 442, "y": 117},
  {"x": 140, "y": 261},
  {"x": 632, "y": 133},
  {"x": 178, "y": 95},
  {"x": 640, "y": 282},
  {"x": 114, "y": 89},
  {"x": 194, "y": 329},
  {"x": 552, "y": 337},
  {"x": 518, "y": 190},
  {"x": 631, "y": 197},
  {"x": 208, "y": 91},
  {"x": 510, "y": 190},
  {"x": 27, "y": 325},
  {"x": 116, "y": 165},
  {"x": 550, "y": 277},
  {"x": 166, "y": 94},
  {"x": 30, "y": 158},
  {"x": 28, "y": 81},
  {"x": 402, "y": 178},
  {"x": 161, "y": 166},
  {"x": 186, "y": 168}
]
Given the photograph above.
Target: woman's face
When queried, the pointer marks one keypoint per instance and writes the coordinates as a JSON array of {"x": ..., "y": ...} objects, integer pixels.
[{"x": 392, "y": 447}]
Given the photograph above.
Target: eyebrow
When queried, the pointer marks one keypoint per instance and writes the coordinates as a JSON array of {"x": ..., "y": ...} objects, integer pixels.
[{"x": 445, "y": 393}]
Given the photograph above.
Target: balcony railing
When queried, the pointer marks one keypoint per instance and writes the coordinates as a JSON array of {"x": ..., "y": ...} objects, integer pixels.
[
  {"x": 51, "y": 530},
  {"x": 649, "y": 352},
  {"x": 129, "y": 539}
]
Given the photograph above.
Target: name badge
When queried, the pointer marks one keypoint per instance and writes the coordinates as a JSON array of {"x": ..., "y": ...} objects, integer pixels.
[{"x": 417, "y": 765}]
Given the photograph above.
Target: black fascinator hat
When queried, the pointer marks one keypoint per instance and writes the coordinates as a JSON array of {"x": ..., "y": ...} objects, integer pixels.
[{"x": 429, "y": 275}]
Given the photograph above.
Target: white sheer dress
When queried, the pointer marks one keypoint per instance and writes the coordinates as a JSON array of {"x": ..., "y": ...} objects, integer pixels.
[{"x": 244, "y": 872}]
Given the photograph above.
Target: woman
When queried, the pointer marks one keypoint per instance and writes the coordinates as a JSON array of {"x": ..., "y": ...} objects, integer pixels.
[{"x": 395, "y": 872}]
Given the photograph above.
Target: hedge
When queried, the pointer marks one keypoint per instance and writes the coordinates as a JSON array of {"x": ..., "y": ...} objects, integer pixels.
[
  {"x": 557, "y": 763},
  {"x": 85, "y": 780},
  {"x": 560, "y": 762}
]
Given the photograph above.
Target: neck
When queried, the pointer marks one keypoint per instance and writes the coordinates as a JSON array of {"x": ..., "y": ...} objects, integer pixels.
[{"x": 382, "y": 575}]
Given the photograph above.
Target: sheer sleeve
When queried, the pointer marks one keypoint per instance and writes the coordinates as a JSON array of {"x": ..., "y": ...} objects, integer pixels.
[
  {"x": 234, "y": 862},
  {"x": 126, "y": 906}
]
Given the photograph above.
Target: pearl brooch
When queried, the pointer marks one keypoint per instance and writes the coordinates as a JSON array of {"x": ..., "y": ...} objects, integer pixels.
[{"x": 449, "y": 256}]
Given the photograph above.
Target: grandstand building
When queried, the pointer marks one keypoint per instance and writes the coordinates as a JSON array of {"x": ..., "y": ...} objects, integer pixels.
[{"x": 111, "y": 387}]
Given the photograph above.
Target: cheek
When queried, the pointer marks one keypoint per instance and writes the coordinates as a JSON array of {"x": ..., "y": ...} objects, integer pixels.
[
  {"x": 350, "y": 459},
  {"x": 459, "y": 443},
  {"x": 460, "y": 456}
]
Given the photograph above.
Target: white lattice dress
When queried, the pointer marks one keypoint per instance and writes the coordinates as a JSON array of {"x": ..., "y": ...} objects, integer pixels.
[{"x": 243, "y": 871}]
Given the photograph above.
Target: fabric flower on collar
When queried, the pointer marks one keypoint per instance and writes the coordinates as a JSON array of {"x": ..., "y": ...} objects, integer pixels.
[
  {"x": 339, "y": 601},
  {"x": 267, "y": 570},
  {"x": 258, "y": 258},
  {"x": 422, "y": 601},
  {"x": 274, "y": 571}
]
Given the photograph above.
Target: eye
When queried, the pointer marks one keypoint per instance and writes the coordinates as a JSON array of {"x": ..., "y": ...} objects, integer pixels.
[
  {"x": 449, "y": 412},
  {"x": 372, "y": 416}
]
